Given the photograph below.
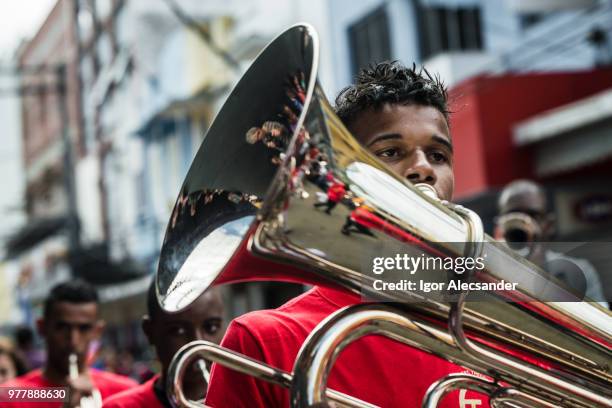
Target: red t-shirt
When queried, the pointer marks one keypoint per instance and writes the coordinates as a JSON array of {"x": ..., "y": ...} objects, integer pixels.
[
  {"x": 107, "y": 383},
  {"x": 141, "y": 396},
  {"x": 335, "y": 192},
  {"x": 375, "y": 369}
]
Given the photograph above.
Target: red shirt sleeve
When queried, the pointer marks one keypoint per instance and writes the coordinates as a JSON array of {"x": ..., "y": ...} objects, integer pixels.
[
  {"x": 109, "y": 383},
  {"x": 141, "y": 396},
  {"x": 229, "y": 388},
  {"x": 121, "y": 402}
]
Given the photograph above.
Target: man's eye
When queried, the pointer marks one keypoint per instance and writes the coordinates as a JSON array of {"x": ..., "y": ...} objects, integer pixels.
[
  {"x": 85, "y": 327},
  {"x": 177, "y": 331},
  {"x": 212, "y": 327},
  {"x": 388, "y": 153},
  {"x": 438, "y": 157}
]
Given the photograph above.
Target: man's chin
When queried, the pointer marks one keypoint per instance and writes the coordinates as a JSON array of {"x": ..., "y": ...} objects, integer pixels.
[
  {"x": 443, "y": 195},
  {"x": 194, "y": 390},
  {"x": 61, "y": 363},
  {"x": 194, "y": 377}
]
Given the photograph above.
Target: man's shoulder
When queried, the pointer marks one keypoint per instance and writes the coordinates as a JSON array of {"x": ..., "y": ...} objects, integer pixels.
[
  {"x": 31, "y": 378},
  {"x": 306, "y": 308},
  {"x": 284, "y": 327},
  {"x": 272, "y": 336},
  {"x": 138, "y": 396},
  {"x": 116, "y": 382}
]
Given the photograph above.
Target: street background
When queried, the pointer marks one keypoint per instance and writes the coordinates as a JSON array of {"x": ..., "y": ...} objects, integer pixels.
[{"x": 105, "y": 102}]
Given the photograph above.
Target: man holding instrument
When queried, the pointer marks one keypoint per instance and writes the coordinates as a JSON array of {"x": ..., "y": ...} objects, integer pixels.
[
  {"x": 527, "y": 201},
  {"x": 70, "y": 323},
  {"x": 401, "y": 116},
  {"x": 168, "y": 332}
]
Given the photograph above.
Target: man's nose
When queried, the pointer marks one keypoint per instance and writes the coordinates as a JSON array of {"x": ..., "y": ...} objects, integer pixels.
[
  {"x": 200, "y": 334},
  {"x": 420, "y": 169},
  {"x": 75, "y": 338}
]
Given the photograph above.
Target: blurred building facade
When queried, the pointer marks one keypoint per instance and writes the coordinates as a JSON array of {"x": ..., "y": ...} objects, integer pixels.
[
  {"x": 51, "y": 126},
  {"x": 11, "y": 200},
  {"x": 143, "y": 87},
  {"x": 142, "y": 119}
]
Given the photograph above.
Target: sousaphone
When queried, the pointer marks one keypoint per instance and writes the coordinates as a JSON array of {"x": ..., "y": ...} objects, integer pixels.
[{"x": 247, "y": 212}]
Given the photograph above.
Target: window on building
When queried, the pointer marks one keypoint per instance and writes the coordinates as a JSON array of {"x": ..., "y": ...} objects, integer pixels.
[
  {"x": 530, "y": 19},
  {"x": 42, "y": 105},
  {"x": 449, "y": 29},
  {"x": 370, "y": 40},
  {"x": 85, "y": 20},
  {"x": 104, "y": 49},
  {"x": 103, "y": 9},
  {"x": 87, "y": 71},
  {"x": 122, "y": 27}
]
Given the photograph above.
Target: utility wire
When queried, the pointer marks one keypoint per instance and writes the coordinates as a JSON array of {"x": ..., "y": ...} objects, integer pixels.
[
  {"x": 562, "y": 42},
  {"x": 203, "y": 32},
  {"x": 523, "y": 51}
]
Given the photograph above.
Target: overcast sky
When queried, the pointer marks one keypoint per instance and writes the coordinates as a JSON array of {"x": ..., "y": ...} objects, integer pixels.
[{"x": 19, "y": 19}]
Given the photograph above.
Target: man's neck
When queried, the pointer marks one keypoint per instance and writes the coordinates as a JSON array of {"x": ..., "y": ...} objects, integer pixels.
[
  {"x": 160, "y": 391},
  {"x": 189, "y": 392}
]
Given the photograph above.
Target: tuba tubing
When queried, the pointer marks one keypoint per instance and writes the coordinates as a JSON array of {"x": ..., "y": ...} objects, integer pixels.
[
  {"x": 201, "y": 349},
  {"x": 317, "y": 355}
]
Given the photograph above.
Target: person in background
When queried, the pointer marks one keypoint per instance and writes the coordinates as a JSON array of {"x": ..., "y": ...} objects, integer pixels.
[
  {"x": 335, "y": 194},
  {"x": 33, "y": 356},
  {"x": 168, "y": 332},
  {"x": 527, "y": 225},
  {"x": 70, "y": 323},
  {"x": 11, "y": 364}
]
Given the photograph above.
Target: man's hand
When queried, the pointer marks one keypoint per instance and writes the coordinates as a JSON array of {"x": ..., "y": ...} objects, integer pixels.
[{"x": 78, "y": 388}]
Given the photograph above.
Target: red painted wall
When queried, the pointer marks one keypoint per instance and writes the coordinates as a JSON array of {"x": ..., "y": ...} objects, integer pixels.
[{"x": 485, "y": 110}]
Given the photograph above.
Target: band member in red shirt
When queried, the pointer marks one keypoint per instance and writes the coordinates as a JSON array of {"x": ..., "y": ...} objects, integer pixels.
[
  {"x": 168, "y": 332},
  {"x": 401, "y": 116},
  {"x": 70, "y": 323},
  {"x": 335, "y": 194}
]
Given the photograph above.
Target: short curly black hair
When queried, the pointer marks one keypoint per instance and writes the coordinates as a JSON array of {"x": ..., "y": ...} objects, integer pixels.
[
  {"x": 390, "y": 82},
  {"x": 72, "y": 291}
]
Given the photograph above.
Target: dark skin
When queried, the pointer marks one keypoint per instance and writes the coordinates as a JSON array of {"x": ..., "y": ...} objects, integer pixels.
[
  {"x": 168, "y": 332},
  {"x": 532, "y": 202},
  {"x": 70, "y": 328},
  {"x": 413, "y": 140},
  {"x": 527, "y": 198},
  {"x": 8, "y": 371}
]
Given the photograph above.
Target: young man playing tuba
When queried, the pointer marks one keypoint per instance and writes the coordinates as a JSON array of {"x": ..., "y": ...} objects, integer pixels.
[{"x": 401, "y": 116}]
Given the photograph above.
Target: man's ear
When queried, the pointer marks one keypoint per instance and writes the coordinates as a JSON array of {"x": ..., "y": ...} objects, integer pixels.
[
  {"x": 41, "y": 327},
  {"x": 147, "y": 327}
]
